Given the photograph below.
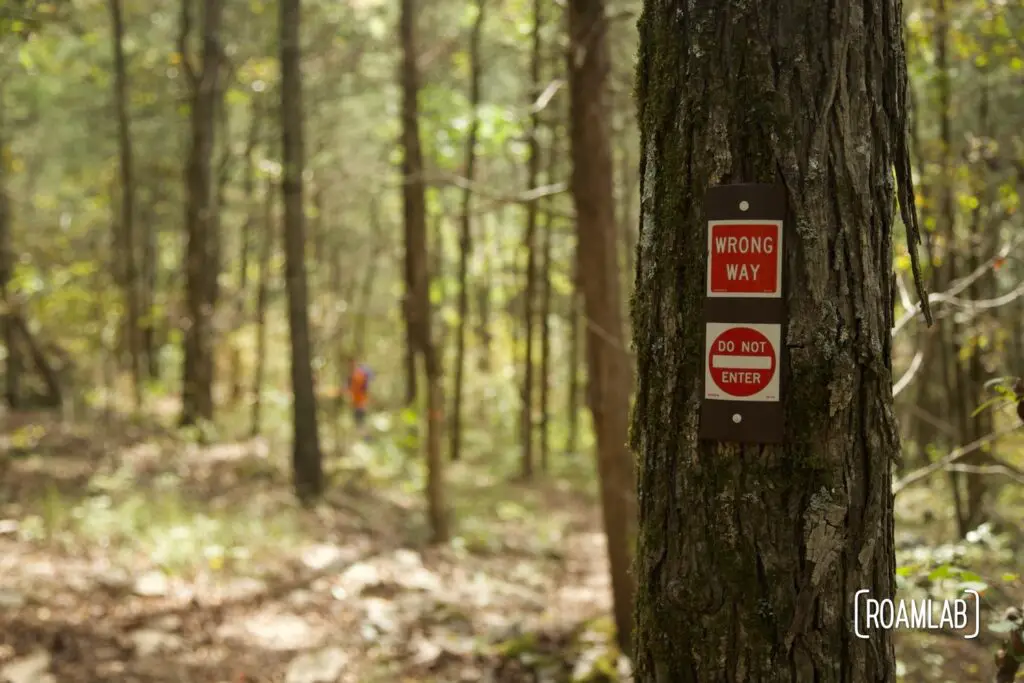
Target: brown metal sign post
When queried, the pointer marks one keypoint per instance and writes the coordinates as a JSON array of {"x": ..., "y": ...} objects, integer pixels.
[{"x": 744, "y": 315}]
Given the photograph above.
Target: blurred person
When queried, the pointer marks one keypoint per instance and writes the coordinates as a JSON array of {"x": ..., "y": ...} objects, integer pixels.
[{"x": 359, "y": 391}]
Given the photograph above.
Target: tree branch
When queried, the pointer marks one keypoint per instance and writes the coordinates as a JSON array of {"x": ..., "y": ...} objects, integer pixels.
[{"x": 943, "y": 464}]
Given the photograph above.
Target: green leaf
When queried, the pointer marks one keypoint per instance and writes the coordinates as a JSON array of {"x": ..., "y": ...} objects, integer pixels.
[
  {"x": 941, "y": 572},
  {"x": 25, "y": 59},
  {"x": 409, "y": 417}
]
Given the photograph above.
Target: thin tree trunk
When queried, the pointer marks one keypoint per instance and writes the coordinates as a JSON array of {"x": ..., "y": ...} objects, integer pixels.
[
  {"x": 466, "y": 233},
  {"x": 245, "y": 247},
  {"x": 411, "y": 390},
  {"x": 266, "y": 251},
  {"x": 949, "y": 333},
  {"x": 574, "y": 359},
  {"x": 529, "y": 293},
  {"x": 418, "y": 301},
  {"x": 554, "y": 154},
  {"x": 150, "y": 348},
  {"x": 127, "y": 257},
  {"x": 307, "y": 468},
  {"x": 608, "y": 368},
  {"x": 435, "y": 272},
  {"x": 13, "y": 363},
  {"x": 545, "y": 341},
  {"x": 197, "y": 384},
  {"x": 749, "y": 555},
  {"x": 484, "y": 303},
  {"x": 984, "y": 242}
]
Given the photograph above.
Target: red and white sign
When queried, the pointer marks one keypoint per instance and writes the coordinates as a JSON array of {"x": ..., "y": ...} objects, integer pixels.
[
  {"x": 742, "y": 362},
  {"x": 745, "y": 258}
]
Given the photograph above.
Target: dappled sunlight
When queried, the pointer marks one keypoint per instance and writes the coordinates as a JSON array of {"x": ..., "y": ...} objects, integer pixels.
[{"x": 192, "y": 555}]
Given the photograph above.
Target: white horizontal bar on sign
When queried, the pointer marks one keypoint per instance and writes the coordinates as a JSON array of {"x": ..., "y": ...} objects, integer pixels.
[{"x": 742, "y": 362}]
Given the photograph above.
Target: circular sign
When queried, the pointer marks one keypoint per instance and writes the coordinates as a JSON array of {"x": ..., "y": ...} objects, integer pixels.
[{"x": 741, "y": 361}]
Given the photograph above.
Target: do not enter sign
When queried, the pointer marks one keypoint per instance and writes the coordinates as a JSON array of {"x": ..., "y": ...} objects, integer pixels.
[{"x": 742, "y": 362}]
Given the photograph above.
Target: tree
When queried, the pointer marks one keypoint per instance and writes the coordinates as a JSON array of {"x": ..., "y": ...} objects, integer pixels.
[
  {"x": 418, "y": 309},
  {"x": 12, "y": 362},
  {"x": 307, "y": 468},
  {"x": 530, "y": 244},
  {"x": 748, "y": 557},
  {"x": 466, "y": 232},
  {"x": 609, "y": 374},
  {"x": 127, "y": 258},
  {"x": 200, "y": 269}
]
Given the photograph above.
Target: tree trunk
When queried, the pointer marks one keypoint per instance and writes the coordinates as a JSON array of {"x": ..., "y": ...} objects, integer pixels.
[
  {"x": 466, "y": 234},
  {"x": 307, "y": 469},
  {"x": 266, "y": 251},
  {"x": 574, "y": 360},
  {"x": 411, "y": 389},
  {"x": 749, "y": 556},
  {"x": 244, "y": 249},
  {"x": 484, "y": 303},
  {"x": 13, "y": 363},
  {"x": 418, "y": 299},
  {"x": 948, "y": 335},
  {"x": 127, "y": 256},
  {"x": 545, "y": 326},
  {"x": 530, "y": 291},
  {"x": 985, "y": 239},
  {"x": 197, "y": 384},
  {"x": 148, "y": 287},
  {"x": 608, "y": 371}
]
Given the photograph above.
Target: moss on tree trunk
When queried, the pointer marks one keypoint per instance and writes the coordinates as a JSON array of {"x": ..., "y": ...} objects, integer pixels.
[{"x": 748, "y": 556}]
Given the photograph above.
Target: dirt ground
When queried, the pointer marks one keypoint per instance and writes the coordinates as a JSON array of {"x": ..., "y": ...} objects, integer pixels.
[{"x": 130, "y": 555}]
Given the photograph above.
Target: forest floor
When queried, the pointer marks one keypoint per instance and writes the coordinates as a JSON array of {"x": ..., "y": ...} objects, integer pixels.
[{"x": 128, "y": 553}]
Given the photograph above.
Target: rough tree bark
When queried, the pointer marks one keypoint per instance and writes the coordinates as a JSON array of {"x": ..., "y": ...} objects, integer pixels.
[
  {"x": 307, "y": 469},
  {"x": 197, "y": 380},
  {"x": 466, "y": 232},
  {"x": 418, "y": 307},
  {"x": 127, "y": 258},
  {"x": 748, "y": 557},
  {"x": 609, "y": 380}
]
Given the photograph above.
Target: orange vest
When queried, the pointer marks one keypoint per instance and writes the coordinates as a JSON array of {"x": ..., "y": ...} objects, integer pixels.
[{"x": 358, "y": 388}]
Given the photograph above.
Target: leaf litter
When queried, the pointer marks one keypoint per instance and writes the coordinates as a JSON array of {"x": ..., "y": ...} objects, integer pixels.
[{"x": 342, "y": 593}]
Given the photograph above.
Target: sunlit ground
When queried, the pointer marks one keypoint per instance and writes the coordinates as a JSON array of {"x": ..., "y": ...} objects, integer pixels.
[{"x": 129, "y": 552}]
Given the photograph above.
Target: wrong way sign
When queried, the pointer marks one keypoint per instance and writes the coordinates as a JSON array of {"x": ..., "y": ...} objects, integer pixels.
[
  {"x": 744, "y": 314},
  {"x": 744, "y": 258},
  {"x": 742, "y": 362}
]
